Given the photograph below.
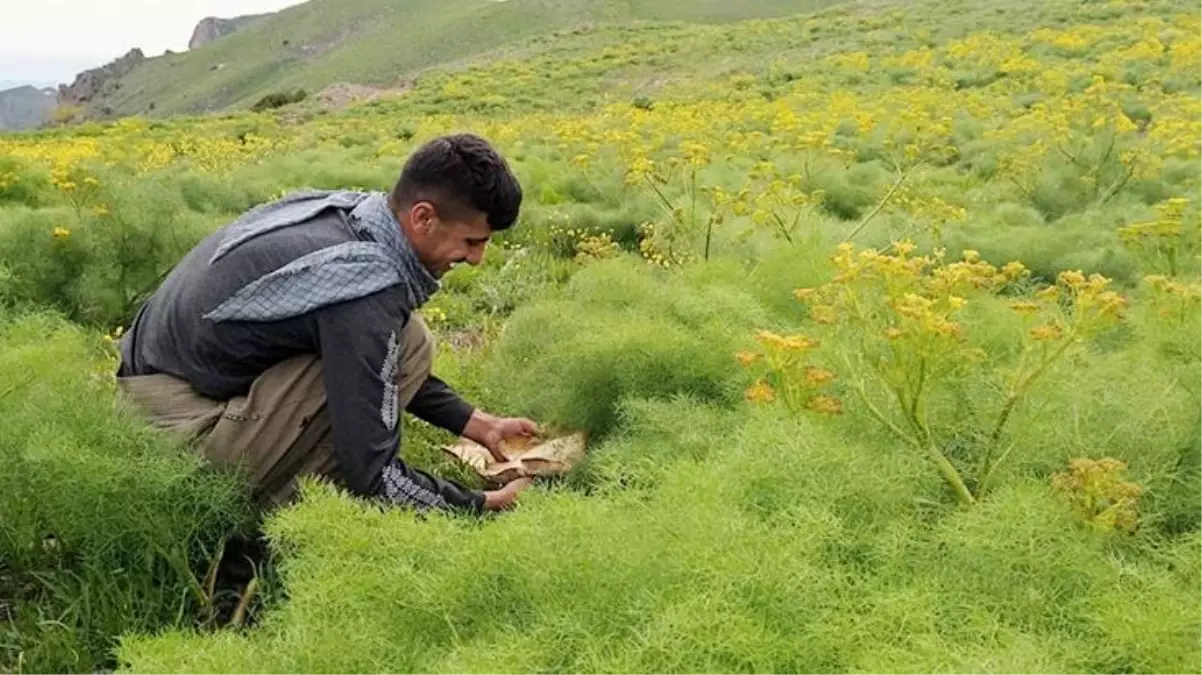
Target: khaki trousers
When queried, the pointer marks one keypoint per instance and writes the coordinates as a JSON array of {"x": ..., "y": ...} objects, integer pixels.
[{"x": 280, "y": 430}]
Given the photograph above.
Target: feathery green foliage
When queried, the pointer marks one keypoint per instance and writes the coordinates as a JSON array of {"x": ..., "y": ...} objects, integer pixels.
[
  {"x": 104, "y": 527},
  {"x": 682, "y": 182}
]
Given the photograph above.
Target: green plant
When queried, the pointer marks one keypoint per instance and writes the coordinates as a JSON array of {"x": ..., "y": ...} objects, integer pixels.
[
  {"x": 1162, "y": 244},
  {"x": 893, "y": 328},
  {"x": 1099, "y": 495},
  {"x": 105, "y": 526}
]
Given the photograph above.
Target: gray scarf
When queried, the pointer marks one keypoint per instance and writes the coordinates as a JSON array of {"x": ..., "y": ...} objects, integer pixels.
[{"x": 381, "y": 258}]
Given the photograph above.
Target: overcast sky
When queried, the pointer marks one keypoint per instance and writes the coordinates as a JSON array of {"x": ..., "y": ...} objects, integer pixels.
[{"x": 52, "y": 40}]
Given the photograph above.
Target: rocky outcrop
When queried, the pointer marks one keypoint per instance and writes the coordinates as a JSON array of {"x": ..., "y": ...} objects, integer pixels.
[
  {"x": 97, "y": 82},
  {"x": 210, "y": 28}
]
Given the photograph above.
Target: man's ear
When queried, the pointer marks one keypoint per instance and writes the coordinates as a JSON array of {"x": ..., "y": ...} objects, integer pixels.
[{"x": 422, "y": 217}]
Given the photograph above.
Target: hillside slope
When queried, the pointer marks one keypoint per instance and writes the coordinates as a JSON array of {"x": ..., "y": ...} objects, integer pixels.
[{"x": 379, "y": 43}]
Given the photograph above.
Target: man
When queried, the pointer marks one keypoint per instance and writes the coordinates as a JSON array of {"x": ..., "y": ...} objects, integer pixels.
[{"x": 287, "y": 343}]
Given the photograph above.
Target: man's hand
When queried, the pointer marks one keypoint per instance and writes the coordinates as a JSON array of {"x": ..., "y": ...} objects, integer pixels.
[
  {"x": 506, "y": 497},
  {"x": 489, "y": 431}
]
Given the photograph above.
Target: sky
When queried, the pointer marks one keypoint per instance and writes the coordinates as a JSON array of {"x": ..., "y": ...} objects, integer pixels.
[{"x": 49, "y": 41}]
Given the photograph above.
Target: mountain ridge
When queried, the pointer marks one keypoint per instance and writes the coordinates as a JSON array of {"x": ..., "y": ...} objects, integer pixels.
[
  {"x": 373, "y": 43},
  {"x": 26, "y": 106}
]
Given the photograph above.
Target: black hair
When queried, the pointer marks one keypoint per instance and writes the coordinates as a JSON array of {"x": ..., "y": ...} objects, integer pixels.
[{"x": 457, "y": 173}]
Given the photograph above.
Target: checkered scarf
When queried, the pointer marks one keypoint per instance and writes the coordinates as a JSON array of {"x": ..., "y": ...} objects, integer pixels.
[{"x": 383, "y": 257}]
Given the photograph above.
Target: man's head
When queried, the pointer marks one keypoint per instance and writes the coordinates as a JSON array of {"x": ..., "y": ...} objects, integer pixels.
[{"x": 453, "y": 193}]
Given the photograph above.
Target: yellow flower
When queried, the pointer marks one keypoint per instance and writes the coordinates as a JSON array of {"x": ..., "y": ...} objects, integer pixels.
[
  {"x": 904, "y": 247},
  {"x": 912, "y": 306},
  {"x": 747, "y": 358},
  {"x": 60, "y": 233},
  {"x": 827, "y": 405},
  {"x": 971, "y": 256},
  {"x": 1015, "y": 270},
  {"x": 1072, "y": 279},
  {"x": 798, "y": 343},
  {"x": 1025, "y": 307},
  {"x": 804, "y": 294},
  {"x": 1048, "y": 293},
  {"x": 823, "y": 314},
  {"x": 817, "y": 376},
  {"x": 769, "y": 338},
  {"x": 760, "y": 392},
  {"x": 893, "y": 332},
  {"x": 1110, "y": 303},
  {"x": 1045, "y": 332},
  {"x": 956, "y": 302}
]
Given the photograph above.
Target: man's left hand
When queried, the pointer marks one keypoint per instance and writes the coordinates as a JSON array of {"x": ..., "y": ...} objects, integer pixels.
[{"x": 490, "y": 431}]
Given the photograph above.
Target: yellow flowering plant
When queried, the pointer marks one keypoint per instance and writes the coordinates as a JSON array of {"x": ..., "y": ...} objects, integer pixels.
[
  {"x": 1164, "y": 242},
  {"x": 685, "y": 223},
  {"x": 1099, "y": 495},
  {"x": 892, "y": 322},
  {"x": 786, "y": 372},
  {"x": 1176, "y": 300}
]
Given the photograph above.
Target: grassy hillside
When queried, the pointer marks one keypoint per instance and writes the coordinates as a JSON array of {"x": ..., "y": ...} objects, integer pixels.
[
  {"x": 884, "y": 321},
  {"x": 381, "y": 42}
]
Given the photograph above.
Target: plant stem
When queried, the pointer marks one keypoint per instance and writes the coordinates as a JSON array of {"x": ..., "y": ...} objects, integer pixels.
[
  {"x": 950, "y": 475},
  {"x": 784, "y": 230},
  {"x": 945, "y": 467},
  {"x": 1020, "y": 388},
  {"x": 693, "y": 202},
  {"x": 239, "y": 616},
  {"x": 667, "y": 204},
  {"x": 709, "y": 228},
  {"x": 880, "y": 205}
]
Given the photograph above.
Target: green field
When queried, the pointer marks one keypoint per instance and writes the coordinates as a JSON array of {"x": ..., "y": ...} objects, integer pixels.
[{"x": 884, "y": 322}]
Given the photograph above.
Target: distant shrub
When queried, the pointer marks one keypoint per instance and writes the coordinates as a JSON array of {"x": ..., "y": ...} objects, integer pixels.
[
  {"x": 279, "y": 99},
  {"x": 847, "y": 194}
]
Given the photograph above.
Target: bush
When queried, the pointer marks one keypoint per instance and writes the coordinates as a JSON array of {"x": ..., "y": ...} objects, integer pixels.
[
  {"x": 21, "y": 184},
  {"x": 96, "y": 262},
  {"x": 104, "y": 526},
  {"x": 279, "y": 99},
  {"x": 616, "y": 331}
]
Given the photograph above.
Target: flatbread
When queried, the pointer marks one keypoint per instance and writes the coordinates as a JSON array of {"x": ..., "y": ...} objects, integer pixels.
[{"x": 528, "y": 457}]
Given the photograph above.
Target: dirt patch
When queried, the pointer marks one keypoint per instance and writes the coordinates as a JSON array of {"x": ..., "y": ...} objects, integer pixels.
[
  {"x": 341, "y": 94},
  {"x": 466, "y": 340}
]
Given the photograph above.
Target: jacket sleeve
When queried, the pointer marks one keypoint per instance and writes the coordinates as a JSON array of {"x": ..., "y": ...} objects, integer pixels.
[
  {"x": 437, "y": 403},
  {"x": 360, "y": 346}
]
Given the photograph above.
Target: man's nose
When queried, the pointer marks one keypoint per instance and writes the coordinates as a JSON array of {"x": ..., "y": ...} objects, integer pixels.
[{"x": 475, "y": 256}]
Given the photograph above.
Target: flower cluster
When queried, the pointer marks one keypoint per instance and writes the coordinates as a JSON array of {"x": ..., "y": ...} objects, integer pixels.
[
  {"x": 783, "y": 370},
  {"x": 1165, "y": 239},
  {"x": 1099, "y": 494}
]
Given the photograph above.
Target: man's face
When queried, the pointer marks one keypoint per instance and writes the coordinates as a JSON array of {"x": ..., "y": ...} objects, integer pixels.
[{"x": 441, "y": 243}]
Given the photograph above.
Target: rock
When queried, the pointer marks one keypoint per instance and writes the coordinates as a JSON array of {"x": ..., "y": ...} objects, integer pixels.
[
  {"x": 211, "y": 28},
  {"x": 93, "y": 83}
]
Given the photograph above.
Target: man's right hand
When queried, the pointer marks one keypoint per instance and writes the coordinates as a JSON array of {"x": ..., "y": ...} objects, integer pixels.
[{"x": 506, "y": 497}]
